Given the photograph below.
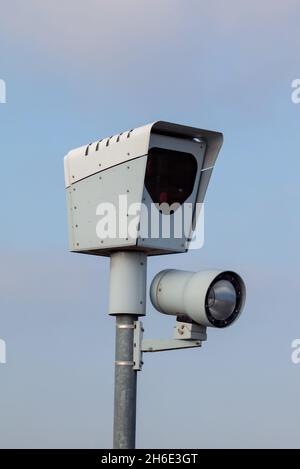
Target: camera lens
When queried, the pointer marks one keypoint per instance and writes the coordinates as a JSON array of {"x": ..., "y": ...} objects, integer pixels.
[
  {"x": 224, "y": 299},
  {"x": 221, "y": 300}
]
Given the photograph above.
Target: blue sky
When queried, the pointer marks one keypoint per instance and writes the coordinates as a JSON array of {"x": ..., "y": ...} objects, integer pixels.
[{"x": 76, "y": 72}]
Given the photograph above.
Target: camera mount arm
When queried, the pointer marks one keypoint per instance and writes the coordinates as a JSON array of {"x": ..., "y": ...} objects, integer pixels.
[{"x": 186, "y": 335}]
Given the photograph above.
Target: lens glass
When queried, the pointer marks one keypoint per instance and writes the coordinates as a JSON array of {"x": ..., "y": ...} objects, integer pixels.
[
  {"x": 170, "y": 175},
  {"x": 221, "y": 300}
]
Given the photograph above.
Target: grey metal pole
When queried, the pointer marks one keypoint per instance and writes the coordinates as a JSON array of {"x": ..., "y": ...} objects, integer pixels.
[
  {"x": 125, "y": 384},
  {"x": 127, "y": 298}
]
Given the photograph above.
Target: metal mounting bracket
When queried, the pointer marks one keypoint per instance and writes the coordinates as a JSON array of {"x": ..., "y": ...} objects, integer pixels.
[
  {"x": 186, "y": 335},
  {"x": 137, "y": 345}
]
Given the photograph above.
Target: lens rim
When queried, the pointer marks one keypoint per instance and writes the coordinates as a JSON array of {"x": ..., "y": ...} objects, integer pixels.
[{"x": 236, "y": 283}]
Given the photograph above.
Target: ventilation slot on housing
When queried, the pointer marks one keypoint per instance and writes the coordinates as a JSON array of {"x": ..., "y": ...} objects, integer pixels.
[
  {"x": 87, "y": 149},
  {"x": 108, "y": 140},
  {"x": 119, "y": 136},
  {"x": 97, "y": 146}
]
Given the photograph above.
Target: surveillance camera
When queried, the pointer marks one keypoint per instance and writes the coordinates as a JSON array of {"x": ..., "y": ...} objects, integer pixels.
[
  {"x": 209, "y": 298},
  {"x": 135, "y": 182}
]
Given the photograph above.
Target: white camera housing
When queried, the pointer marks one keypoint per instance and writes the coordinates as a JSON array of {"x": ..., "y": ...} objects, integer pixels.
[
  {"x": 187, "y": 295},
  {"x": 131, "y": 164}
]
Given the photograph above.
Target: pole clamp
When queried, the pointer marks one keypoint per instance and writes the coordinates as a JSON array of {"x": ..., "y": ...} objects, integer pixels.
[{"x": 123, "y": 363}]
